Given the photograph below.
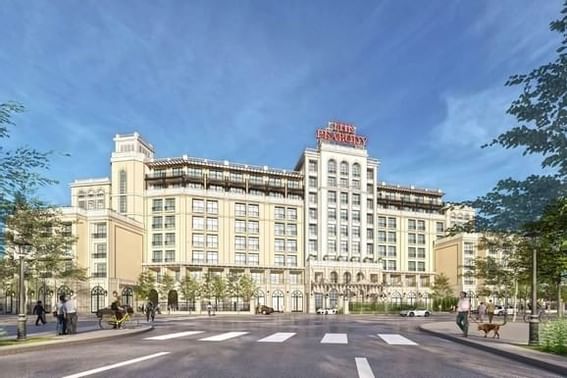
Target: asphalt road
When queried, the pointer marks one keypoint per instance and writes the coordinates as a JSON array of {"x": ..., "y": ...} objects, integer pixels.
[{"x": 270, "y": 346}]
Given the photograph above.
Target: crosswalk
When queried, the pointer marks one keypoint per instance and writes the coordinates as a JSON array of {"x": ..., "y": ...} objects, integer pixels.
[{"x": 280, "y": 337}]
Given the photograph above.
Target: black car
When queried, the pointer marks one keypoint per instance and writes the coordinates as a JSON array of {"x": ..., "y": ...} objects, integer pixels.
[{"x": 264, "y": 310}]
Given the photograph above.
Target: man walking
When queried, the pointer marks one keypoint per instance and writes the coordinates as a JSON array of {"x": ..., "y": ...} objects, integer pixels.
[
  {"x": 39, "y": 310},
  {"x": 72, "y": 318},
  {"x": 463, "y": 310},
  {"x": 490, "y": 310}
]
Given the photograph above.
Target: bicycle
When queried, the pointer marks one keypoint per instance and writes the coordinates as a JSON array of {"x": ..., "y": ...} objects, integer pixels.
[{"x": 108, "y": 319}]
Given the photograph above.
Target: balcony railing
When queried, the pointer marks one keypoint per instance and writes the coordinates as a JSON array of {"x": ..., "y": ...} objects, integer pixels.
[
  {"x": 99, "y": 235},
  {"x": 99, "y": 275},
  {"x": 99, "y": 255}
]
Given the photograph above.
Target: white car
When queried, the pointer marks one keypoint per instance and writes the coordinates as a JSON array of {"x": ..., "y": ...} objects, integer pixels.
[
  {"x": 412, "y": 313},
  {"x": 327, "y": 311},
  {"x": 500, "y": 311}
]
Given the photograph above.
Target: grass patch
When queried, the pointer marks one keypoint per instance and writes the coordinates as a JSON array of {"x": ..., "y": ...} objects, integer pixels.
[
  {"x": 553, "y": 337},
  {"x": 29, "y": 340}
]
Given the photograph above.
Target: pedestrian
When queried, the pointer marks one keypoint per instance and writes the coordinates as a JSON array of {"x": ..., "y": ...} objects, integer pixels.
[
  {"x": 209, "y": 308},
  {"x": 490, "y": 310},
  {"x": 61, "y": 312},
  {"x": 72, "y": 317},
  {"x": 39, "y": 310},
  {"x": 463, "y": 311},
  {"x": 150, "y": 311},
  {"x": 481, "y": 311}
]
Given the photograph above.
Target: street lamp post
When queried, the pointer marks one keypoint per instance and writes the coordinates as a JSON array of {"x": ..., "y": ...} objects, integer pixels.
[
  {"x": 22, "y": 318},
  {"x": 534, "y": 319}
]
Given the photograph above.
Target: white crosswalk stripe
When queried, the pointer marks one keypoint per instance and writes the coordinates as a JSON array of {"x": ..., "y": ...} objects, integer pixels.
[
  {"x": 278, "y": 337},
  {"x": 173, "y": 335},
  {"x": 335, "y": 338},
  {"x": 363, "y": 368},
  {"x": 395, "y": 339},
  {"x": 224, "y": 336}
]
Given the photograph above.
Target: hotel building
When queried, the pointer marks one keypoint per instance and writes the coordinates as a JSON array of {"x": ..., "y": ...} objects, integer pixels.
[{"x": 327, "y": 232}]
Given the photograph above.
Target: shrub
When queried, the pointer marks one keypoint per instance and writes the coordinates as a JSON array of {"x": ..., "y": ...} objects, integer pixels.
[{"x": 553, "y": 337}]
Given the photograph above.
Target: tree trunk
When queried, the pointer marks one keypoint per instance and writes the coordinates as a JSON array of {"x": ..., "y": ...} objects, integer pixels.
[
  {"x": 559, "y": 301},
  {"x": 515, "y": 299}
]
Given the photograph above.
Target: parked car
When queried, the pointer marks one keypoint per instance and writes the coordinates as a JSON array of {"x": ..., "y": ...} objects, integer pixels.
[
  {"x": 264, "y": 310},
  {"x": 327, "y": 311},
  {"x": 501, "y": 311},
  {"x": 416, "y": 312}
]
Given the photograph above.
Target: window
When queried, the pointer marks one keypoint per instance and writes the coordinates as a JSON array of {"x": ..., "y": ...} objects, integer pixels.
[
  {"x": 412, "y": 239},
  {"x": 253, "y": 244},
  {"x": 295, "y": 278},
  {"x": 276, "y": 278},
  {"x": 421, "y": 253},
  {"x": 344, "y": 246},
  {"x": 313, "y": 214},
  {"x": 239, "y": 226},
  {"x": 344, "y": 198},
  {"x": 198, "y": 206},
  {"x": 157, "y": 256},
  {"x": 212, "y": 207},
  {"x": 412, "y": 252},
  {"x": 391, "y": 222},
  {"x": 356, "y": 184},
  {"x": 279, "y": 260},
  {"x": 421, "y": 266},
  {"x": 469, "y": 248},
  {"x": 370, "y": 204},
  {"x": 344, "y": 215},
  {"x": 411, "y": 266},
  {"x": 198, "y": 257},
  {"x": 313, "y": 198},
  {"x": 157, "y": 240},
  {"x": 332, "y": 167},
  {"x": 332, "y": 197},
  {"x": 439, "y": 227},
  {"x": 382, "y": 236},
  {"x": 313, "y": 182},
  {"x": 356, "y": 232},
  {"x": 212, "y": 257},
  {"x": 421, "y": 225},
  {"x": 239, "y": 242},
  {"x": 240, "y": 209},
  {"x": 170, "y": 221},
  {"x": 420, "y": 238},
  {"x": 332, "y": 229},
  {"x": 382, "y": 250},
  {"x": 240, "y": 258},
  {"x": 100, "y": 251},
  {"x": 344, "y": 168},
  {"x": 312, "y": 230},
  {"x": 370, "y": 249},
  {"x": 391, "y": 265},
  {"x": 169, "y": 256},
  {"x": 313, "y": 166},
  {"x": 391, "y": 237},
  {"x": 344, "y": 230},
  {"x": 292, "y": 246},
  {"x": 332, "y": 181},
  {"x": 291, "y": 229},
  {"x": 253, "y": 259},
  {"x": 356, "y": 216},
  {"x": 280, "y": 245},
  {"x": 169, "y": 204},
  {"x": 212, "y": 224},
  {"x": 100, "y": 270},
  {"x": 198, "y": 240},
  {"x": 356, "y": 170},
  {"x": 253, "y": 210},
  {"x": 292, "y": 214},
  {"x": 332, "y": 246},
  {"x": 344, "y": 183},
  {"x": 279, "y": 229},
  {"x": 157, "y": 223},
  {"x": 391, "y": 251},
  {"x": 198, "y": 223},
  {"x": 411, "y": 224},
  {"x": 356, "y": 247},
  {"x": 370, "y": 174},
  {"x": 382, "y": 222},
  {"x": 157, "y": 205},
  {"x": 170, "y": 239},
  {"x": 280, "y": 213},
  {"x": 356, "y": 199},
  {"x": 332, "y": 213},
  {"x": 312, "y": 246},
  {"x": 291, "y": 260},
  {"x": 253, "y": 227},
  {"x": 212, "y": 241},
  {"x": 369, "y": 233},
  {"x": 369, "y": 219}
]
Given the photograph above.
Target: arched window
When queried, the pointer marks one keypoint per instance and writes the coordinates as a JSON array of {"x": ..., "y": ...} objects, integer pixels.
[
  {"x": 128, "y": 296},
  {"x": 260, "y": 298},
  {"x": 100, "y": 199},
  {"x": 333, "y": 297},
  {"x": 91, "y": 200},
  {"x": 356, "y": 170},
  {"x": 359, "y": 277},
  {"x": 297, "y": 301},
  {"x": 334, "y": 277},
  {"x": 344, "y": 168},
  {"x": 332, "y": 167},
  {"x": 98, "y": 298},
  {"x": 347, "y": 277},
  {"x": 123, "y": 183},
  {"x": 64, "y": 290},
  {"x": 278, "y": 300}
]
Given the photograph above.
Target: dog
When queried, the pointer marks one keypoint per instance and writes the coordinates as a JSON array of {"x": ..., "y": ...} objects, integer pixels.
[{"x": 487, "y": 327}]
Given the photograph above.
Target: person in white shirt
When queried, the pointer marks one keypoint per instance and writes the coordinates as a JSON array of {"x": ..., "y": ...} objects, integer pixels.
[
  {"x": 463, "y": 311},
  {"x": 72, "y": 318}
]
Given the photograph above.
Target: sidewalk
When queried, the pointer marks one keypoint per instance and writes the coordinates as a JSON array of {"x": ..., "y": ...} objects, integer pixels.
[
  {"x": 79, "y": 338},
  {"x": 512, "y": 344}
]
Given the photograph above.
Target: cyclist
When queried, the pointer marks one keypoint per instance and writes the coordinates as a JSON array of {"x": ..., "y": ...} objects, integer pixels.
[{"x": 117, "y": 308}]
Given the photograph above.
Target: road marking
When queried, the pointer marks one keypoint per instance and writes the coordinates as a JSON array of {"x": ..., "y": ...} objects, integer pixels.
[
  {"x": 335, "y": 338},
  {"x": 395, "y": 339},
  {"x": 105, "y": 368},
  {"x": 363, "y": 368},
  {"x": 224, "y": 336},
  {"x": 278, "y": 337},
  {"x": 173, "y": 335}
]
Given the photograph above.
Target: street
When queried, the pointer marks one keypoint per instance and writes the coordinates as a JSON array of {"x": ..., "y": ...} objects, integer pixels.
[{"x": 279, "y": 345}]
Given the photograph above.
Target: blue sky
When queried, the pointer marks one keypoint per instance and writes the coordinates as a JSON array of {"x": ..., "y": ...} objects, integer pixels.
[{"x": 250, "y": 81}]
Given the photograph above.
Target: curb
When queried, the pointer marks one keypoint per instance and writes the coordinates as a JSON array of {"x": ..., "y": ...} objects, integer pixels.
[
  {"x": 533, "y": 361},
  {"x": 4, "y": 351}
]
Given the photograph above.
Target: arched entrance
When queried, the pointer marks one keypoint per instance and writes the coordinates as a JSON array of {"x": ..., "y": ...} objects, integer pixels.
[
  {"x": 318, "y": 301},
  {"x": 172, "y": 300},
  {"x": 45, "y": 295},
  {"x": 278, "y": 300},
  {"x": 98, "y": 298},
  {"x": 10, "y": 297},
  {"x": 333, "y": 298},
  {"x": 154, "y": 297},
  {"x": 260, "y": 298},
  {"x": 64, "y": 290},
  {"x": 128, "y": 296},
  {"x": 297, "y": 301}
]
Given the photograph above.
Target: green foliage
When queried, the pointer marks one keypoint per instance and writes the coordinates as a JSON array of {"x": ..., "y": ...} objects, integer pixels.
[
  {"x": 442, "y": 288},
  {"x": 207, "y": 285},
  {"x": 247, "y": 287},
  {"x": 146, "y": 282},
  {"x": 189, "y": 288},
  {"x": 444, "y": 303},
  {"x": 219, "y": 287},
  {"x": 553, "y": 337},
  {"x": 167, "y": 284}
]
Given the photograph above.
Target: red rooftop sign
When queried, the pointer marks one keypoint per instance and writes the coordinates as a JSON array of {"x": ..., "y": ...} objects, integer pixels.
[{"x": 341, "y": 133}]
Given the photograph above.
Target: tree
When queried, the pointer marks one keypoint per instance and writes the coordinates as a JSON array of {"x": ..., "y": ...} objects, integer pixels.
[
  {"x": 190, "y": 288},
  {"x": 219, "y": 287},
  {"x": 146, "y": 283},
  {"x": 442, "y": 287},
  {"x": 167, "y": 284},
  {"x": 207, "y": 286},
  {"x": 247, "y": 287},
  {"x": 233, "y": 287}
]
